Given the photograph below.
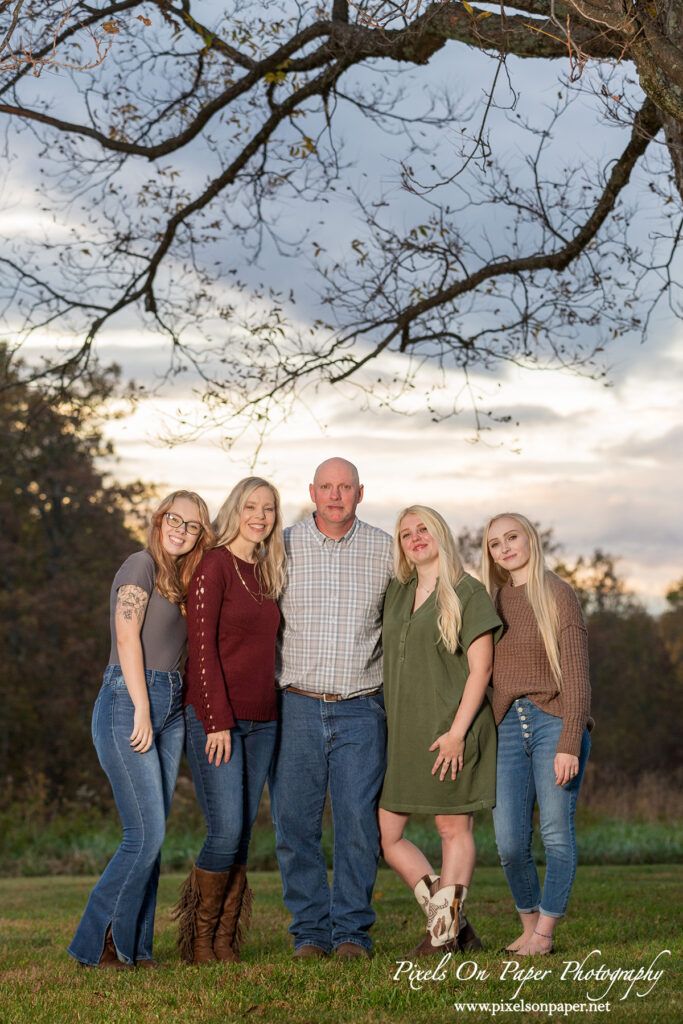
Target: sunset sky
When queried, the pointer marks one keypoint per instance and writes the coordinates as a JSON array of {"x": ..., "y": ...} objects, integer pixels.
[{"x": 599, "y": 464}]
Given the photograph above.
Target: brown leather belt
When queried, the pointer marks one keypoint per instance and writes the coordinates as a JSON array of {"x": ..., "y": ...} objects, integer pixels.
[{"x": 329, "y": 697}]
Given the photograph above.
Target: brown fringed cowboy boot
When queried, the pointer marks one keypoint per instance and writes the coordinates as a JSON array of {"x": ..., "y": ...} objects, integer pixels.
[
  {"x": 235, "y": 918},
  {"x": 197, "y": 913}
]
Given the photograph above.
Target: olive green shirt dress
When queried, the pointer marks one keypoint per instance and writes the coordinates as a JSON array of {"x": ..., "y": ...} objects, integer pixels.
[{"x": 423, "y": 686}]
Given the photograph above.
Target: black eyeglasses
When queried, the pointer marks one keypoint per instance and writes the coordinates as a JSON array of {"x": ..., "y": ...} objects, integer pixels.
[{"x": 175, "y": 521}]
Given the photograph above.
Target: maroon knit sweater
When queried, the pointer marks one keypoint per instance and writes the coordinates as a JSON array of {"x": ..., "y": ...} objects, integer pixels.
[
  {"x": 521, "y": 667},
  {"x": 230, "y": 672}
]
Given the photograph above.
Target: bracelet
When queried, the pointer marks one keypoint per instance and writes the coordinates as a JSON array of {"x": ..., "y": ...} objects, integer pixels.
[{"x": 543, "y": 936}]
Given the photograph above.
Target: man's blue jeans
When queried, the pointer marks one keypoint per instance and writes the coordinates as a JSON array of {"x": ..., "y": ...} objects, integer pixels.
[
  {"x": 143, "y": 785},
  {"x": 229, "y": 794},
  {"x": 341, "y": 746},
  {"x": 527, "y": 744}
]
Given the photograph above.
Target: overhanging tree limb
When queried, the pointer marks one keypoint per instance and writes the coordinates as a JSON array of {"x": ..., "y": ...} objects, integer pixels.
[
  {"x": 646, "y": 125},
  {"x": 235, "y": 123}
]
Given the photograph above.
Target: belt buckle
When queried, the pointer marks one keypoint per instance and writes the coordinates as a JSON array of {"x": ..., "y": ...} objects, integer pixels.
[{"x": 331, "y": 698}]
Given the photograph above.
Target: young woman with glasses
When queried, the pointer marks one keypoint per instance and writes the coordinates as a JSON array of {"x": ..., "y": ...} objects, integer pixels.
[
  {"x": 138, "y": 729},
  {"x": 230, "y": 711}
]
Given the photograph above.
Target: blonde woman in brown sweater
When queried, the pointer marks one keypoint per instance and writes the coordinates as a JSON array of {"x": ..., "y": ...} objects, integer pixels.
[{"x": 541, "y": 704}]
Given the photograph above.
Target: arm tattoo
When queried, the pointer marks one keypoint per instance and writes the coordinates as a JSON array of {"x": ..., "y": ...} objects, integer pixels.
[{"x": 131, "y": 603}]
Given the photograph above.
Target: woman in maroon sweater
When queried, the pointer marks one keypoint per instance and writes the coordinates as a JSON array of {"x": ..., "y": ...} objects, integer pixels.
[{"x": 230, "y": 710}]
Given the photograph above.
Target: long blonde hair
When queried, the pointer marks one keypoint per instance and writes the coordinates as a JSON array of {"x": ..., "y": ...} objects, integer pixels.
[
  {"x": 450, "y": 571},
  {"x": 173, "y": 575},
  {"x": 270, "y": 558},
  {"x": 538, "y": 591}
]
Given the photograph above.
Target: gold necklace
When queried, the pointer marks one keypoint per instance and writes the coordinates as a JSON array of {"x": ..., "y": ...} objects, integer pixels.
[{"x": 259, "y": 599}]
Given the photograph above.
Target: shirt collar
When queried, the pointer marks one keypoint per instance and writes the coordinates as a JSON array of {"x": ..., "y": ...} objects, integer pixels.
[{"x": 322, "y": 538}]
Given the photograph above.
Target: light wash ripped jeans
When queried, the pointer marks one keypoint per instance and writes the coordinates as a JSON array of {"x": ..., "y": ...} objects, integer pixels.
[{"x": 527, "y": 744}]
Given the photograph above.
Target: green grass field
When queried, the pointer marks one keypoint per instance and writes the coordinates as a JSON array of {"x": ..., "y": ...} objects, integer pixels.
[
  {"x": 629, "y": 913},
  {"x": 82, "y": 845}
]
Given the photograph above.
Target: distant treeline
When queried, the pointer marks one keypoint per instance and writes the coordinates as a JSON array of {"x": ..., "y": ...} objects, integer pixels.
[{"x": 65, "y": 531}]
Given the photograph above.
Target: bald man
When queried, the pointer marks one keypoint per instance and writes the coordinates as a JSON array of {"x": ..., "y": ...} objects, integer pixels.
[{"x": 333, "y": 725}]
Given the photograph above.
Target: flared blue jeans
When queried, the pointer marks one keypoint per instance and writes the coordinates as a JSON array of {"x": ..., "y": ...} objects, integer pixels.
[{"x": 143, "y": 785}]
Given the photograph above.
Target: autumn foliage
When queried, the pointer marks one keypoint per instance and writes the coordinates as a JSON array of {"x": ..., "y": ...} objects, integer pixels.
[{"x": 65, "y": 531}]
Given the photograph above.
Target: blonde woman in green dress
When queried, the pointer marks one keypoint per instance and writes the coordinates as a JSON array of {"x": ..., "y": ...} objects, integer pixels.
[{"x": 439, "y": 629}]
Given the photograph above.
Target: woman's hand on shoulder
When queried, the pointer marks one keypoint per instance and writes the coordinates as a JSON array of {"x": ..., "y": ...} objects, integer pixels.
[
  {"x": 451, "y": 755},
  {"x": 218, "y": 747},
  {"x": 566, "y": 768},
  {"x": 142, "y": 734}
]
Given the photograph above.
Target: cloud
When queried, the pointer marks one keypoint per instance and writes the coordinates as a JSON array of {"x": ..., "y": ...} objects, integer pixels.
[
  {"x": 577, "y": 456},
  {"x": 664, "y": 449}
]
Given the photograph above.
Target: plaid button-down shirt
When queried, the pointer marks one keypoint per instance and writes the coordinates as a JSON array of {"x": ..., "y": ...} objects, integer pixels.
[{"x": 331, "y": 608}]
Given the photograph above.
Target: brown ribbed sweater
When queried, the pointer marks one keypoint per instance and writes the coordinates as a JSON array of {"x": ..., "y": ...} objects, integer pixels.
[{"x": 521, "y": 667}]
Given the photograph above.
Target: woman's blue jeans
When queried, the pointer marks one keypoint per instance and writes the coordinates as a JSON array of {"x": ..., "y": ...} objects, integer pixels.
[
  {"x": 229, "y": 794},
  {"x": 527, "y": 744},
  {"x": 143, "y": 785}
]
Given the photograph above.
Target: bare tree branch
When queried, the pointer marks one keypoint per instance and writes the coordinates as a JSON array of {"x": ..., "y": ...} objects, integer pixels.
[
  {"x": 23, "y": 56},
  {"x": 647, "y": 123},
  {"x": 6, "y": 39},
  {"x": 211, "y": 143}
]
